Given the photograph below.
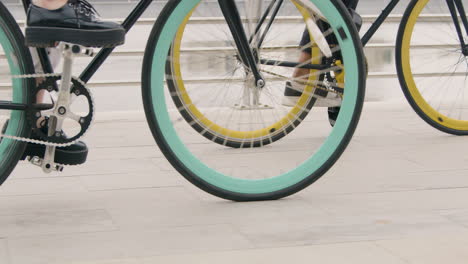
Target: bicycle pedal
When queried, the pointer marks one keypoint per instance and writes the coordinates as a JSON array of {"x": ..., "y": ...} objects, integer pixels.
[
  {"x": 77, "y": 49},
  {"x": 50, "y": 168}
]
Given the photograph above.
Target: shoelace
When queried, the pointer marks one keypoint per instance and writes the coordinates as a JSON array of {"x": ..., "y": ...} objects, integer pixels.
[{"x": 83, "y": 6}]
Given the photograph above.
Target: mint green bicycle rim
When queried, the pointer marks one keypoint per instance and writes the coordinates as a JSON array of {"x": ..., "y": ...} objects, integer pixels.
[
  {"x": 246, "y": 186},
  {"x": 17, "y": 86}
]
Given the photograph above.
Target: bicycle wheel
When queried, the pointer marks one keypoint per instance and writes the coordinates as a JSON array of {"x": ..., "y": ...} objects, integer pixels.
[
  {"x": 246, "y": 174},
  {"x": 431, "y": 66},
  {"x": 15, "y": 59},
  {"x": 272, "y": 120}
]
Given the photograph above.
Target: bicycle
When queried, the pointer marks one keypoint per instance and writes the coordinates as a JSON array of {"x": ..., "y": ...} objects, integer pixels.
[
  {"x": 431, "y": 60},
  {"x": 255, "y": 62}
]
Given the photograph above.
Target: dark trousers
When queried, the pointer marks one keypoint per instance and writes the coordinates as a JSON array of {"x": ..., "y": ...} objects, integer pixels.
[{"x": 350, "y": 4}]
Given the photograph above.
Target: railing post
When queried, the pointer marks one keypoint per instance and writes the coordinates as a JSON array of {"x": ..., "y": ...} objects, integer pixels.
[{"x": 253, "y": 9}]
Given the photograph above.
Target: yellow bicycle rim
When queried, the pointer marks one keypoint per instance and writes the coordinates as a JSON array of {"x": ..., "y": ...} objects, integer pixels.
[
  {"x": 202, "y": 120},
  {"x": 409, "y": 78}
]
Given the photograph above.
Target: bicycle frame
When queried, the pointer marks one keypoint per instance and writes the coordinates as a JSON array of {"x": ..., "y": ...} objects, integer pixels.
[
  {"x": 380, "y": 19},
  {"x": 99, "y": 59},
  {"x": 91, "y": 68},
  {"x": 454, "y": 6},
  {"x": 230, "y": 13},
  {"x": 229, "y": 10}
]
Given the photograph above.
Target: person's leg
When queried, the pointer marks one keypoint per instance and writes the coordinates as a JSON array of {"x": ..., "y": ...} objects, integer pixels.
[
  {"x": 305, "y": 55},
  {"x": 54, "y": 57},
  {"x": 50, "y": 4},
  {"x": 293, "y": 89},
  {"x": 39, "y": 16}
]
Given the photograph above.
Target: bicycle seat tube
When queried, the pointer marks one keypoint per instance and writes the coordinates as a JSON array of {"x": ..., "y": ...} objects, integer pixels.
[{"x": 233, "y": 19}]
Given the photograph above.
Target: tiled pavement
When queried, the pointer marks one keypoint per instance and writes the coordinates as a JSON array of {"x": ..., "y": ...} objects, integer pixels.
[{"x": 398, "y": 195}]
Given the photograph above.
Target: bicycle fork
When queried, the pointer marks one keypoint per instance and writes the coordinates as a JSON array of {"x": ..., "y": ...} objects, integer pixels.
[
  {"x": 231, "y": 14},
  {"x": 456, "y": 7},
  {"x": 249, "y": 56}
]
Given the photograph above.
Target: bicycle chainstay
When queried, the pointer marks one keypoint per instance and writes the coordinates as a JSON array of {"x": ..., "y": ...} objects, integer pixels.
[{"x": 46, "y": 143}]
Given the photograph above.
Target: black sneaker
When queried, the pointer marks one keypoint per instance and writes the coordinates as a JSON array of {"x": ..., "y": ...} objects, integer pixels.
[
  {"x": 75, "y": 154},
  {"x": 76, "y": 22},
  {"x": 293, "y": 92},
  {"x": 333, "y": 113}
]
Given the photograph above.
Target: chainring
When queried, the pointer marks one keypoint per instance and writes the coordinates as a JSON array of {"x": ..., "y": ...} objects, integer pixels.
[{"x": 34, "y": 116}]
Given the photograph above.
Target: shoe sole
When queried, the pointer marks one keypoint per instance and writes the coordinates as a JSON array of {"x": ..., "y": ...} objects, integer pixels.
[
  {"x": 43, "y": 37},
  {"x": 61, "y": 157},
  {"x": 333, "y": 113}
]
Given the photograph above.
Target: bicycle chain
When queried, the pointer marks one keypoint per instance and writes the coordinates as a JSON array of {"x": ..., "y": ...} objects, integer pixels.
[
  {"x": 303, "y": 82},
  {"x": 46, "y": 143}
]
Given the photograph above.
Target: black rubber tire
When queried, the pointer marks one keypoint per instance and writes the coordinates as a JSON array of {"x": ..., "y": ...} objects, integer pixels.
[
  {"x": 214, "y": 190},
  {"x": 16, "y": 149},
  {"x": 403, "y": 84}
]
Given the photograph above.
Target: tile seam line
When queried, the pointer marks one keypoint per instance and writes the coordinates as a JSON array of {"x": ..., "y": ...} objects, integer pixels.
[{"x": 390, "y": 252}]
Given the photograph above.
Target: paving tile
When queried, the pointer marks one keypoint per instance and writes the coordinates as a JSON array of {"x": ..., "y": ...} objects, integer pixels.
[
  {"x": 33, "y": 224},
  {"x": 450, "y": 248},
  {"x": 146, "y": 209},
  {"x": 358, "y": 253},
  {"x": 32, "y": 186},
  {"x": 100, "y": 167},
  {"x": 122, "y": 153},
  {"x": 162, "y": 164},
  {"x": 437, "y": 153},
  {"x": 398, "y": 201},
  {"x": 177, "y": 207},
  {"x": 459, "y": 216},
  {"x": 131, "y": 180},
  {"x": 112, "y": 245},
  {"x": 48, "y": 203},
  {"x": 24, "y": 170},
  {"x": 346, "y": 228},
  {"x": 394, "y": 178},
  {"x": 120, "y": 134},
  {"x": 4, "y": 256},
  {"x": 399, "y": 180},
  {"x": 349, "y": 167}
]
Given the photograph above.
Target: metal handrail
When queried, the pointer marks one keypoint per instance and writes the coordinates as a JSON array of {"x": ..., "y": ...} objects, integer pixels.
[
  {"x": 140, "y": 52},
  {"x": 372, "y": 75},
  {"x": 211, "y": 20},
  {"x": 286, "y": 19}
]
